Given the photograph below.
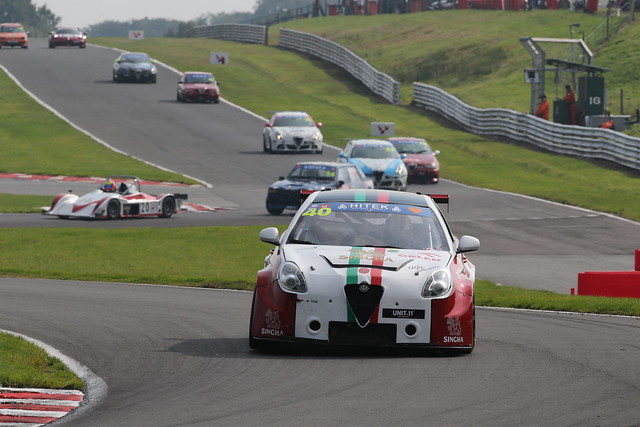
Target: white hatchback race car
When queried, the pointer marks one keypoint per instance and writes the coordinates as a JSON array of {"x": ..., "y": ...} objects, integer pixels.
[
  {"x": 117, "y": 197},
  {"x": 292, "y": 131},
  {"x": 366, "y": 268}
]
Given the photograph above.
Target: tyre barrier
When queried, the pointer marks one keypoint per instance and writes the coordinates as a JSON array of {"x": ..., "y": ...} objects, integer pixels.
[{"x": 619, "y": 284}]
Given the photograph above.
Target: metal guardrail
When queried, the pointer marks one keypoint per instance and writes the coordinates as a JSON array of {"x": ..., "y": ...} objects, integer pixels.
[
  {"x": 244, "y": 33},
  {"x": 578, "y": 141},
  {"x": 380, "y": 83}
]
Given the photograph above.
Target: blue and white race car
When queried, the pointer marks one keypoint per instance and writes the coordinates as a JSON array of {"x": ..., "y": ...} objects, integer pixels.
[
  {"x": 366, "y": 268},
  {"x": 379, "y": 160},
  {"x": 307, "y": 177}
]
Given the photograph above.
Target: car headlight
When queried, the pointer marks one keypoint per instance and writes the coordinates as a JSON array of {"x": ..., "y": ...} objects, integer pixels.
[
  {"x": 401, "y": 169},
  {"x": 154, "y": 70},
  {"x": 316, "y": 136},
  {"x": 279, "y": 136},
  {"x": 437, "y": 285},
  {"x": 291, "y": 278}
]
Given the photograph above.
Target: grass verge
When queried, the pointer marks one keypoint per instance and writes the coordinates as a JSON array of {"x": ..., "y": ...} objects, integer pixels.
[
  {"x": 189, "y": 258},
  {"x": 23, "y": 364}
]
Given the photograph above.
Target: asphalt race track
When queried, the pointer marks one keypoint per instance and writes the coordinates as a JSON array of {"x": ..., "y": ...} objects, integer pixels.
[
  {"x": 174, "y": 356},
  {"x": 179, "y": 356}
]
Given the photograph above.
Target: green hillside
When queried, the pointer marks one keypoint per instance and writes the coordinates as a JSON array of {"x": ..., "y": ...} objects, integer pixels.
[{"x": 477, "y": 56}]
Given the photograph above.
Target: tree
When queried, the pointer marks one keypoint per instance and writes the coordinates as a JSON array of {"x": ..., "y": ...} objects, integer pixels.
[{"x": 37, "y": 20}]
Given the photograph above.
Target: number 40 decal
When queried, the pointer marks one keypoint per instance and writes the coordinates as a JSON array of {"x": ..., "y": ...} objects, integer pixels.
[{"x": 323, "y": 211}]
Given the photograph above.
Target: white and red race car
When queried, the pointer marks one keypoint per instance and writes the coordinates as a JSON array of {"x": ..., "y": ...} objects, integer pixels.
[
  {"x": 366, "y": 268},
  {"x": 117, "y": 197}
]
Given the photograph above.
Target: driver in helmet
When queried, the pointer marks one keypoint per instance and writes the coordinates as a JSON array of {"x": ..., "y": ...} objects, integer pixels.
[
  {"x": 109, "y": 187},
  {"x": 401, "y": 232}
]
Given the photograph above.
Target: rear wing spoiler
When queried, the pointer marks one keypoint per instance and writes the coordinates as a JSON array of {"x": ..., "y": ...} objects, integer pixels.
[
  {"x": 440, "y": 198},
  {"x": 306, "y": 193}
]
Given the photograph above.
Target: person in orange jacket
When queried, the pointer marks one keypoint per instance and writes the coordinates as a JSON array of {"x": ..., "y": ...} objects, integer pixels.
[
  {"x": 571, "y": 102},
  {"x": 543, "y": 108}
]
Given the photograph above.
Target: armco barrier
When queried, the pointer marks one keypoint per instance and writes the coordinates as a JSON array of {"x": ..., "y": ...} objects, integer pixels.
[
  {"x": 576, "y": 141},
  {"x": 380, "y": 83},
  {"x": 621, "y": 284},
  {"x": 244, "y": 33}
]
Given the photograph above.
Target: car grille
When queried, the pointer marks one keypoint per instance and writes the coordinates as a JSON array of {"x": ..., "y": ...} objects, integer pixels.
[
  {"x": 378, "y": 175},
  {"x": 363, "y": 300}
]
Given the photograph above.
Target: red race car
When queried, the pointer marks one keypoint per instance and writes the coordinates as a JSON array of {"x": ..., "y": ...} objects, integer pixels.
[
  {"x": 67, "y": 37},
  {"x": 13, "y": 35},
  {"x": 420, "y": 159},
  {"x": 198, "y": 86}
]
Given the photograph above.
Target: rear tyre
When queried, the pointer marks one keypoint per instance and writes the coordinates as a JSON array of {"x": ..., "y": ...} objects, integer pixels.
[
  {"x": 113, "y": 209},
  {"x": 168, "y": 207}
]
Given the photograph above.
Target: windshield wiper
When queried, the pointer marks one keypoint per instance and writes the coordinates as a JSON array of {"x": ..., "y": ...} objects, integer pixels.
[{"x": 301, "y": 242}]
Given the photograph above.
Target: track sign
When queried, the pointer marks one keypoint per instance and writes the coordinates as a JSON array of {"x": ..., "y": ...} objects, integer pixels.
[
  {"x": 219, "y": 58},
  {"x": 383, "y": 129},
  {"x": 136, "y": 35}
]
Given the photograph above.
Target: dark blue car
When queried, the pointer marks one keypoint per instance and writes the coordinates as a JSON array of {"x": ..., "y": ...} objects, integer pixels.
[{"x": 306, "y": 177}]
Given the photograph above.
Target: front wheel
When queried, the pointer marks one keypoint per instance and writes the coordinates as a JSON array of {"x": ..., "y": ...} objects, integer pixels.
[
  {"x": 266, "y": 146},
  {"x": 168, "y": 207},
  {"x": 113, "y": 209},
  {"x": 274, "y": 211}
]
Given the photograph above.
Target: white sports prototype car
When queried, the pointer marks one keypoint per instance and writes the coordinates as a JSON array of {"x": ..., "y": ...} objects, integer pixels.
[
  {"x": 118, "y": 197},
  {"x": 292, "y": 131},
  {"x": 366, "y": 268}
]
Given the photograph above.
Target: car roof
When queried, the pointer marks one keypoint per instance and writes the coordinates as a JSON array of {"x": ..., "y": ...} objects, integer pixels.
[
  {"x": 198, "y": 72},
  {"x": 332, "y": 164},
  {"x": 371, "y": 196},
  {"x": 370, "y": 142},
  {"x": 11, "y": 24},
  {"x": 291, "y": 113},
  {"x": 133, "y": 54},
  {"x": 406, "y": 138}
]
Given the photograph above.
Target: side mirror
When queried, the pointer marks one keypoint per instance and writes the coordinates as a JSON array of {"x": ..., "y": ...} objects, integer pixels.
[
  {"x": 280, "y": 178},
  {"x": 318, "y": 125},
  {"x": 403, "y": 155},
  {"x": 342, "y": 155},
  {"x": 267, "y": 125},
  {"x": 435, "y": 153},
  {"x": 270, "y": 235},
  {"x": 467, "y": 244},
  {"x": 340, "y": 183}
]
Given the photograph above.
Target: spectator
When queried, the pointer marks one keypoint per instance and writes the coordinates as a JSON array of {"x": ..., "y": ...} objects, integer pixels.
[
  {"x": 571, "y": 103},
  {"x": 543, "y": 108}
]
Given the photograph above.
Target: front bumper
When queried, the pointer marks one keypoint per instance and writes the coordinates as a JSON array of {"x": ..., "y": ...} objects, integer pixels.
[
  {"x": 136, "y": 75},
  {"x": 67, "y": 42},
  {"x": 422, "y": 172},
  {"x": 296, "y": 144},
  {"x": 14, "y": 43}
]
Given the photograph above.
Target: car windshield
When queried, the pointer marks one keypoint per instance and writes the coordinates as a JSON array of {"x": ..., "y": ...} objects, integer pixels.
[
  {"x": 374, "y": 152},
  {"x": 412, "y": 147},
  {"x": 312, "y": 172},
  {"x": 293, "y": 121},
  {"x": 369, "y": 224},
  {"x": 139, "y": 59},
  {"x": 11, "y": 29},
  {"x": 198, "y": 78},
  {"x": 67, "y": 31}
]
